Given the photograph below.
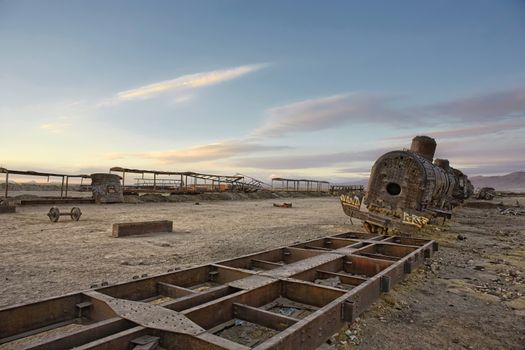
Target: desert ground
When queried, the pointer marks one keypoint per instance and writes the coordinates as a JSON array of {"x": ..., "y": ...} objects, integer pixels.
[{"x": 470, "y": 295}]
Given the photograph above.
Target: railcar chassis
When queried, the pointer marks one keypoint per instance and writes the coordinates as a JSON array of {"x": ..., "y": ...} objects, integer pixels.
[{"x": 295, "y": 297}]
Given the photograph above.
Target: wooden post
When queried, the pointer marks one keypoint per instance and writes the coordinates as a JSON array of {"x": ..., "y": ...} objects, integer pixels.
[
  {"x": 154, "y": 181},
  {"x": 67, "y": 184}
]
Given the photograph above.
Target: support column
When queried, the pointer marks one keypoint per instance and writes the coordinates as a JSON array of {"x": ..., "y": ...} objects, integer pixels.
[
  {"x": 62, "y": 188},
  {"x": 6, "y": 184}
]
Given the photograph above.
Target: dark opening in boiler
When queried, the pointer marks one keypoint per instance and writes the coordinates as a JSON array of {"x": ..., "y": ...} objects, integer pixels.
[{"x": 393, "y": 189}]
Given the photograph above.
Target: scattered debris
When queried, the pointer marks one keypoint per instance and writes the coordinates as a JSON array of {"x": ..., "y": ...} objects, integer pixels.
[
  {"x": 511, "y": 211},
  {"x": 5, "y": 208},
  {"x": 486, "y": 193},
  {"x": 481, "y": 205},
  {"x": 55, "y": 214},
  {"x": 479, "y": 267},
  {"x": 461, "y": 237},
  {"x": 284, "y": 205}
]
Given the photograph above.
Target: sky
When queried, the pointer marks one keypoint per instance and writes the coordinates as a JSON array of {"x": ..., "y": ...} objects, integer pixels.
[{"x": 310, "y": 89}]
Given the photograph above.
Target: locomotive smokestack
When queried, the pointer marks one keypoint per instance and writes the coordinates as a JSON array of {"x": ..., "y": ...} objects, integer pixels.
[
  {"x": 442, "y": 163},
  {"x": 425, "y": 146}
]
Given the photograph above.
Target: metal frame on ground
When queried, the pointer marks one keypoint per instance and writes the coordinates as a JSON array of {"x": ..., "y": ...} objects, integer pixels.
[{"x": 293, "y": 297}]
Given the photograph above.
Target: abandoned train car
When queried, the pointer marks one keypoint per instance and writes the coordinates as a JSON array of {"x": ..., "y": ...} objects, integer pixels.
[{"x": 407, "y": 188}]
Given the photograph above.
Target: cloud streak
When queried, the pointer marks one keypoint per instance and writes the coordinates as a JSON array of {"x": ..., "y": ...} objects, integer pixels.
[
  {"x": 309, "y": 161},
  {"x": 326, "y": 112},
  {"x": 359, "y": 108},
  {"x": 186, "y": 82},
  {"x": 508, "y": 103},
  {"x": 207, "y": 152},
  {"x": 55, "y": 128},
  {"x": 471, "y": 131}
]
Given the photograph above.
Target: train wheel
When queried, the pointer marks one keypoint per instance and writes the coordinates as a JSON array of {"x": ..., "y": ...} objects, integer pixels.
[{"x": 371, "y": 228}]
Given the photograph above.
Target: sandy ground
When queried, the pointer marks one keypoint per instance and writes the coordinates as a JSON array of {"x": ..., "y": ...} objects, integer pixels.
[
  {"x": 39, "y": 259},
  {"x": 469, "y": 296}
]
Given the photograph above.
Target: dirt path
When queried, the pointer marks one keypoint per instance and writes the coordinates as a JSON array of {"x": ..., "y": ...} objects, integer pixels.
[{"x": 470, "y": 296}]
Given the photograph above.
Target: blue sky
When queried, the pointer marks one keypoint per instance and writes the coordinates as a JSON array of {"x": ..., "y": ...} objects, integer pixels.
[{"x": 289, "y": 88}]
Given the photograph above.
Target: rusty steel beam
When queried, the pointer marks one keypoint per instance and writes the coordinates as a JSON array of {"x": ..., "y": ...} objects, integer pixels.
[
  {"x": 139, "y": 228},
  {"x": 294, "y": 297}
]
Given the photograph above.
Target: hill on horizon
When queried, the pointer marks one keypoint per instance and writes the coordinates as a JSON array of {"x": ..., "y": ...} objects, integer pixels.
[{"x": 511, "y": 182}]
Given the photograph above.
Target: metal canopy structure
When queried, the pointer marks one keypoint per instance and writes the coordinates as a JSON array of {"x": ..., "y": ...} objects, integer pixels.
[
  {"x": 65, "y": 178},
  {"x": 292, "y": 297},
  {"x": 300, "y": 185},
  {"x": 185, "y": 182}
]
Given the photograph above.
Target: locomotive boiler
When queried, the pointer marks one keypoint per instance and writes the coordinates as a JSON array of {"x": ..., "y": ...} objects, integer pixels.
[{"x": 407, "y": 188}]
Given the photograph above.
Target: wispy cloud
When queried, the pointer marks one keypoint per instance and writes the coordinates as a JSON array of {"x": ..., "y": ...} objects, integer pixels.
[
  {"x": 358, "y": 108},
  {"x": 508, "y": 103},
  {"x": 326, "y": 112},
  {"x": 309, "y": 161},
  {"x": 55, "y": 127},
  {"x": 212, "y": 151},
  {"x": 470, "y": 131},
  {"x": 182, "y": 85}
]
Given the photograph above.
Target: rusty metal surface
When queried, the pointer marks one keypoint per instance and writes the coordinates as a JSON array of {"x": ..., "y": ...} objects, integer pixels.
[
  {"x": 406, "y": 190},
  {"x": 186, "y": 182},
  {"x": 325, "y": 282},
  {"x": 143, "y": 227},
  {"x": 148, "y": 315}
]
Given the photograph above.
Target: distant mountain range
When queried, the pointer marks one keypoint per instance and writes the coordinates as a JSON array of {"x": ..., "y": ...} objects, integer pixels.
[{"x": 510, "y": 182}]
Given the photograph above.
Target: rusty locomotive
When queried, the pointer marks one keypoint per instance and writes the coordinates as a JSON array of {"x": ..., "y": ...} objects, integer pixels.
[{"x": 407, "y": 188}]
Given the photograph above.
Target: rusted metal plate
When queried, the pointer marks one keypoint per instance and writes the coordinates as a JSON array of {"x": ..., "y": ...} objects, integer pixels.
[{"x": 149, "y": 315}]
